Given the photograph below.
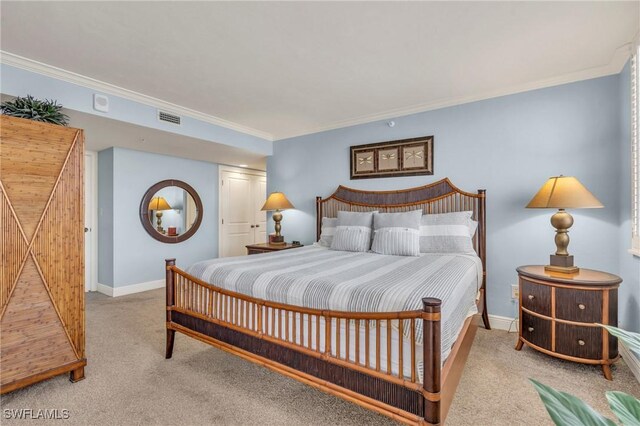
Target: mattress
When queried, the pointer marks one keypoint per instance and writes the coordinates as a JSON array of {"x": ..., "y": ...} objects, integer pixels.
[{"x": 319, "y": 278}]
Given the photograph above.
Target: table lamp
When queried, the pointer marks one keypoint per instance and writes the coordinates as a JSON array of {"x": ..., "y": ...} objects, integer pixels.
[
  {"x": 563, "y": 192},
  {"x": 159, "y": 204},
  {"x": 277, "y": 202}
]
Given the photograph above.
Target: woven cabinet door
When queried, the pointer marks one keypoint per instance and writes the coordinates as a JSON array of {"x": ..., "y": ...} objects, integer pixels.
[{"x": 42, "y": 249}]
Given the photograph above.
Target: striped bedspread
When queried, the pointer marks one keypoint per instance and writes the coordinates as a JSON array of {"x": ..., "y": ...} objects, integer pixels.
[{"x": 316, "y": 277}]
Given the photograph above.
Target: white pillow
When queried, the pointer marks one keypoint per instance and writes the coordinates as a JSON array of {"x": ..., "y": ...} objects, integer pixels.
[
  {"x": 446, "y": 233},
  {"x": 327, "y": 231},
  {"x": 397, "y": 234},
  {"x": 473, "y": 227},
  {"x": 353, "y": 231},
  {"x": 352, "y": 238}
]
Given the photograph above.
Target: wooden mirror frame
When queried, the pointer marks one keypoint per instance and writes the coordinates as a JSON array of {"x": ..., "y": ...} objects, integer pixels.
[{"x": 144, "y": 211}]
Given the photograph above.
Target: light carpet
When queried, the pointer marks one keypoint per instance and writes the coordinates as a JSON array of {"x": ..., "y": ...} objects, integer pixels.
[{"x": 128, "y": 381}]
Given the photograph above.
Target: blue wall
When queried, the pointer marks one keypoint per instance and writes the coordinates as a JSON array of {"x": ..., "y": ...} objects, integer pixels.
[
  {"x": 135, "y": 256},
  {"x": 508, "y": 145},
  {"x": 19, "y": 82},
  {"x": 629, "y": 295},
  {"x": 105, "y": 217},
  {"x": 126, "y": 254}
]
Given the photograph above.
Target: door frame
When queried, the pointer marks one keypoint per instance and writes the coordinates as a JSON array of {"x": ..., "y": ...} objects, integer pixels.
[
  {"x": 232, "y": 169},
  {"x": 93, "y": 207}
]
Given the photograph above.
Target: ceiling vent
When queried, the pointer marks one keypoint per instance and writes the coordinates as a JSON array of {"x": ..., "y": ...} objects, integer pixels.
[{"x": 169, "y": 118}]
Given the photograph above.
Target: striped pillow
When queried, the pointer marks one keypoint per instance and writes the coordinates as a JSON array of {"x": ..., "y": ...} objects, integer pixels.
[
  {"x": 446, "y": 233},
  {"x": 327, "y": 231},
  {"x": 397, "y": 234},
  {"x": 473, "y": 227},
  {"x": 353, "y": 231}
]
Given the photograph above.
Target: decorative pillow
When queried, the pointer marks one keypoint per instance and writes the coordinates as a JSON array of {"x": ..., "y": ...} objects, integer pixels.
[
  {"x": 446, "y": 233},
  {"x": 327, "y": 231},
  {"x": 473, "y": 227},
  {"x": 397, "y": 234},
  {"x": 353, "y": 231}
]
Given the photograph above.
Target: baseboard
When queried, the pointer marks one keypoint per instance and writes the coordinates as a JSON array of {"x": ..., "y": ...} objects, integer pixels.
[
  {"x": 502, "y": 323},
  {"x": 630, "y": 359},
  {"x": 130, "y": 289},
  {"x": 104, "y": 289}
]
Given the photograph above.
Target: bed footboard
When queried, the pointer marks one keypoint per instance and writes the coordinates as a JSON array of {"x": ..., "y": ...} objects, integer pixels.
[{"x": 343, "y": 353}]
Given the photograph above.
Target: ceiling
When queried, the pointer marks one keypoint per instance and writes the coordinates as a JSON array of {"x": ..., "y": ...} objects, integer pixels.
[
  {"x": 291, "y": 68},
  {"x": 102, "y": 133}
]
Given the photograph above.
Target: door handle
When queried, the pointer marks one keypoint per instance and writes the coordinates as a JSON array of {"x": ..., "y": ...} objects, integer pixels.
[
  {"x": 253, "y": 226},
  {"x": 257, "y": 226},
  {"x": 86, "y": 229}
]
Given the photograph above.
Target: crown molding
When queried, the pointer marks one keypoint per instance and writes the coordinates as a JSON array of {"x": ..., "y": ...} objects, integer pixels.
[
  {"x": 615, "y": 65},
  {"x": 111, "y": 89}
]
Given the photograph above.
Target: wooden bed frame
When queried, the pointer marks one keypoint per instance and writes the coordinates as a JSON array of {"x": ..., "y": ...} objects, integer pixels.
[{"x": 235, "y": 322}]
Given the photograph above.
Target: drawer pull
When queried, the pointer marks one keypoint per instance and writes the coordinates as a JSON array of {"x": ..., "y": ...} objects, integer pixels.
[
  {"x": 581, "y": 306},
  {"x": 530, "y": 329},
  {"x": 531, "y": 297},
  {"x": 581, "y": 342}
]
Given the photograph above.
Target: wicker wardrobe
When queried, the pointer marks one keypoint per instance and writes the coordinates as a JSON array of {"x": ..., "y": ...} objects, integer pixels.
[{"x": 42, "y": 249}]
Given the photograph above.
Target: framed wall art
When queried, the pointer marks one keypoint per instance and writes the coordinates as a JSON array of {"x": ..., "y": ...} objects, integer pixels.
[{"x": 406, "y": 157}]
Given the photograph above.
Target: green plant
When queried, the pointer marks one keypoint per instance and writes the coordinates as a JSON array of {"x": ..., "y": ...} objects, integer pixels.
[
  {"x": 568, "y": 410},
  {"x": 35, "y": 109}
]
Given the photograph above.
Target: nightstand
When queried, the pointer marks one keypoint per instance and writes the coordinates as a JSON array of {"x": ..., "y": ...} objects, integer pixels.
[
  {"x": 558, "y": 312},
  {"x": 268, "y": 248}
]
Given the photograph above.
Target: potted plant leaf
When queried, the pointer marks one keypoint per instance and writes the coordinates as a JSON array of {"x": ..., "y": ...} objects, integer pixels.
[
  {"x": 568, "y": 410},
  {"x": 47, "y": 111}
]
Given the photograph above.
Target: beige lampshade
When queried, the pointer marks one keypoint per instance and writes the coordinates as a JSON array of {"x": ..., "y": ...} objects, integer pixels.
[
  {"x": 159, "y": 203},
  {"x": 277, "y": 201},
  {"x": 564, "y": 192}
]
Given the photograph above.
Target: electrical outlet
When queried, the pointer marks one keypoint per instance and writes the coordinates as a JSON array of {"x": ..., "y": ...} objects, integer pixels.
[{"x": 515, "y": 292}]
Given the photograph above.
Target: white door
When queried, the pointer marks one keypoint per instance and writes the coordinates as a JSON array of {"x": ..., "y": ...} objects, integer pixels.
[
  {"x": 90, "y": 196},
  {"x": 260, "y": 196},
  {"x": 237, "y": 213},
  {"x": 242, "y": 195}
]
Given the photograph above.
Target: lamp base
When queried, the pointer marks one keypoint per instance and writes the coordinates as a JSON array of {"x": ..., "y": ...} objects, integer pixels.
[
  {"x": 562, "y": 264},
  {"x": 277, "y": 240}
]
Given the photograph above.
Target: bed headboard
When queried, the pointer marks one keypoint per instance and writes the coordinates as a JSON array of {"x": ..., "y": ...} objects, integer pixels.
[{"x": 437, "y": 197}]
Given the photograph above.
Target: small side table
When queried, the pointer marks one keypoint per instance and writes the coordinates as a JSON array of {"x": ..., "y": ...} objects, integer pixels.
[
  {"x": 268, "y": 248},
  {"x": 558, "y": 312}
]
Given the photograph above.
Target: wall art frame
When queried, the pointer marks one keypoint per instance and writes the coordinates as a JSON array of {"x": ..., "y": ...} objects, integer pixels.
[{"x": 404, "y": 157}]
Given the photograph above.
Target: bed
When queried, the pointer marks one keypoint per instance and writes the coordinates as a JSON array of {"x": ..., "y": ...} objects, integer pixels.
[{"x": 390, "y": 333}]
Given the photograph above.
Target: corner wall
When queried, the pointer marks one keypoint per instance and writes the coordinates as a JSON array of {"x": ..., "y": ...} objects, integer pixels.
[
  {"x": 508, "y": 146},
  {"x": 135, "y": 257},
  {"x": 105, "y": 217},
  {"x": 629, "y": 268}
]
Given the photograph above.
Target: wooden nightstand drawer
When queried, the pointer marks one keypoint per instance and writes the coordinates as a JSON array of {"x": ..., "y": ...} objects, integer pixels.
[
  {"x": 579, "y": 305},
  {"x": 536, "y": 297},
  {"x": 578, "y": 341},
  {"x": 257, "y": 251},
  {"x": 536, "y": 330},
  {"x": 269, "y": 248},
  {"x": 571, "y": 301}
]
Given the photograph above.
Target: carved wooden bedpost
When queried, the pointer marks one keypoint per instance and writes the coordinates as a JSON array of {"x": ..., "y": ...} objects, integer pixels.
[
  {"x": 482, "y": 220},
  {"x": 170, "y": 288},
  {"x": 432, "y": 354},
  {"x": 318, "y": 217}
]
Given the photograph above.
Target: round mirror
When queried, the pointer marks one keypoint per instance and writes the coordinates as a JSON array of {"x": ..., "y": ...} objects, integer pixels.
[{"x": 171, "y": 211}]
